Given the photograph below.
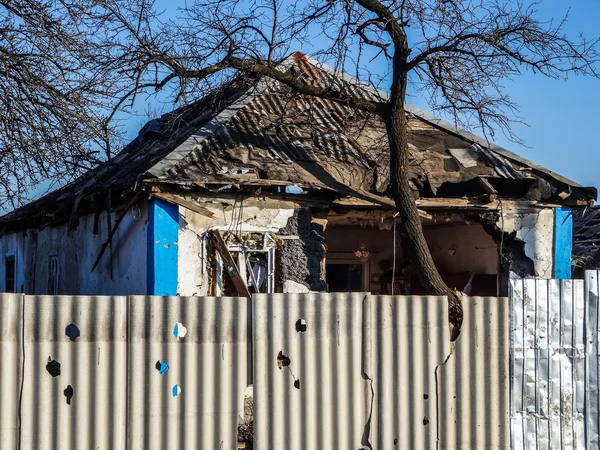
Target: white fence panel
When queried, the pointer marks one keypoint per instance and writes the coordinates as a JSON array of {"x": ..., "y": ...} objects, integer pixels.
[
  {"x": 187, "y": 371},
  {"x": 82, "y": 403},
  {"x": 593, "y": 351},
  {"x": 309, "y": 389},
  {"x": 548, "y": 358},
  {"x": 473, "y": 385},
  {"x": 11, "y": 352},
  {"x": 352, "y": 371}
]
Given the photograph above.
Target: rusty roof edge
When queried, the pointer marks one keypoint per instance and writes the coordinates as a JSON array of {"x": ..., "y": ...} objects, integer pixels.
[{"x": 445, "y": 125}]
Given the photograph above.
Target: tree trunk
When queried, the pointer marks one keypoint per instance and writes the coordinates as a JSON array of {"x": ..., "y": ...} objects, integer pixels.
[{"x": 410, "y": 225}]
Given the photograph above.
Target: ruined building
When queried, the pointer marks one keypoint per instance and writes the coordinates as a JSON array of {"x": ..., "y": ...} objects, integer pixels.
[{"x": 253, "y": 188}]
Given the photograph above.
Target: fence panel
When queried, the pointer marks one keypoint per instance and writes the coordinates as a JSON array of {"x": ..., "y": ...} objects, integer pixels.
[
  {"x": 11, "y": 351},
  {"x": 74, "y": 385},
  {"x": 592, "y": 279},
  {"x": 309, "y": 389},
  {"x": 548, "y": 358},
  {"x": 473, "y": 385},
  {"x": 187, "y": 371},
  {"x": 408, "y": 338},
  {"x": 354, "y": 371}
]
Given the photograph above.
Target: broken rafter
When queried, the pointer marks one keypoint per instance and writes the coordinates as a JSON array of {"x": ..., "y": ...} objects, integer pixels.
[{"x": 184, "y": 203}]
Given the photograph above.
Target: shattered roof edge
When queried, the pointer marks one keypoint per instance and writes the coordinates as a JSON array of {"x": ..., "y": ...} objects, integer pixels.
[
  {"x": 182, "y": 150},
  {"x": 445, "y": 125}
]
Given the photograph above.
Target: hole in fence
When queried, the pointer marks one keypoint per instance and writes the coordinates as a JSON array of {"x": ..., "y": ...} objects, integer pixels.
[
  {"x": 297, "y": 383},
  {"x": 53, "y": 367},
  {"x": 282, "y": 360},
  {"x": 69, "y": 393},
  {"x": 162, "y": 367},
  {"x": 179, "y": 331},
  {"x": 301, "y": 325},
  {"x": 72, "y": 332},
  {"x": 425, "y": 421},
  {"x": 425, "y": 396},
  {"x": 176, "y": 390}
]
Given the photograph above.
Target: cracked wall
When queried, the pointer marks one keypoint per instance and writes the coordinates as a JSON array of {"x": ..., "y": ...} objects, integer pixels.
[
  {"x": 526, "y": 241},
  {"x": 235, "y": 215},
  {"x": 536, "y": 230},
  {"x": 75, "y": 251}
]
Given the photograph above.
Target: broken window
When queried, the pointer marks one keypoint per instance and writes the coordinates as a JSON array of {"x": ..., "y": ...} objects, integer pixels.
[
  {"x": 9, "y": 273},
  {"x": 53, "y": 274},
  {"x": 254, "y": 255}
]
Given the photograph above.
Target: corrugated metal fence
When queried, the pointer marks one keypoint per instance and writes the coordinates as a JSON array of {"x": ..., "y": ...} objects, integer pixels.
[
  {"x": 330, "y": 371},
  {"x": 122, "y": 372},
  {"x": 345, "y": 371}
]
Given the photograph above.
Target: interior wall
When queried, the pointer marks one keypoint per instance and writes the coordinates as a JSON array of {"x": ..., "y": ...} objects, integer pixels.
[
  {"x": 462, "y": 248},
  {"x": 251, "y": 215},
  {"x": 456, "y": 249}
]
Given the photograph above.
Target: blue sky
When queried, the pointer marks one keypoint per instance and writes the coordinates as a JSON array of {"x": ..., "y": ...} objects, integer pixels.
[{"x": 562, "y": 115}]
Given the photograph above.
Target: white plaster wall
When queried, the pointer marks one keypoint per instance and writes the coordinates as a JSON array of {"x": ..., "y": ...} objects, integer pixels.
[
  {"x": 536, "y": 230},
  {"x": 261, "y": 215},
  {"x": 77, "y": 251}
]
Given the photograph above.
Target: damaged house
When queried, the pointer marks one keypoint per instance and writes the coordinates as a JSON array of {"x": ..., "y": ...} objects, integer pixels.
[{"x": 256, "y": 189}]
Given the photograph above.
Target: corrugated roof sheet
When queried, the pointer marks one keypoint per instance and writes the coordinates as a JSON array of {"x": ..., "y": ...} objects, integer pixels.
[{"x": 258, "y": 132}]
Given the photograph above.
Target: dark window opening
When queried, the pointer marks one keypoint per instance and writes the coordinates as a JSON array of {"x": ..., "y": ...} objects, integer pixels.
[
  {"x": 344, "y": 277},
  {"x": 9, "y": 274}
]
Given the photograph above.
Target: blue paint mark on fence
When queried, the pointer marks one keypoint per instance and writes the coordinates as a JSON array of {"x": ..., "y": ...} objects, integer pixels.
[
  {"x": 179, "y": 331},
  {"x": 163, "y": 231},
  {"x": 162, "y": 367},
  {"x": 563, "y": 242},
  {"x": 176, "y": 390}
]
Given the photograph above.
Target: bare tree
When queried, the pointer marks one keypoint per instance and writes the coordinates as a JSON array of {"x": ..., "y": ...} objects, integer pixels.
[
  {"x": 53, "y": 95},
  {"x": 456, "y": 52}
]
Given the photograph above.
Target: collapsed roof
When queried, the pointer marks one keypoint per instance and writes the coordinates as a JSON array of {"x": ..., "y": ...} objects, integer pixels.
[{"x": 253, "y": 133}]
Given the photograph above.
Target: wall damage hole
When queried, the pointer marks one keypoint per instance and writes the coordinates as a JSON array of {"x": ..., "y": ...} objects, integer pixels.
[
  {"x": 425, "y": 421},
  {"x": 297, "y": 383},
  {"x": 69, "y": 393},
  {"x": 72, "y": 332},
  {"x": 53, "y": 367},
  {"x": 162, "y": 367},
  {"x": 301, "y": 325},
  {"x": 425, "y": 396},
  {"x": 179, "y": 331},
  {"x": 395, "y": 441},
  {"x": 282, "y": 360},
  {"x": 176, "y": 390}
]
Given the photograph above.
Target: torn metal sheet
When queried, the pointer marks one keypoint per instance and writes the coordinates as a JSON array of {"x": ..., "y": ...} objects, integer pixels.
[
  {"x": 592, "y": 281},
  {"x": 548, "y": 359}
]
